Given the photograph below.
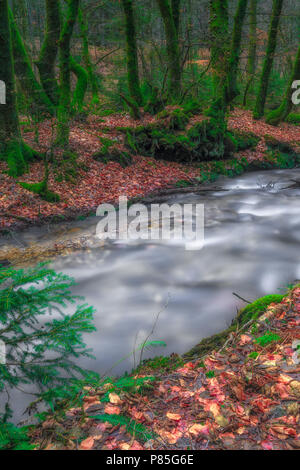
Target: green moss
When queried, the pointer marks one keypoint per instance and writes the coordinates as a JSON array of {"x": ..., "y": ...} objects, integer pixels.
[
  {"x": 81, "y": 85},
  {"x": 293, "y": 118},
  {"x": 202, "y": 142},
  {"x": 110, "y": 153},
  {"x": 192, "y": 107},
  {"x": 268, "y": 338},
  {"x": 269, "y": 59},
  {"x": 47, "y": 58},
  {"x": 175, "y": 119},
  {"x": 37, "y": 98},
  {"x": 63, "y": 114},
  {"x": 173, "y": 49},
  {"x": 257, "y": 308},
  {"x": 245, "y": 140},
  {"x": 42, "y": 190},
  {"x": 132, "y": 57},
  {"x": 251, "y": 312}
]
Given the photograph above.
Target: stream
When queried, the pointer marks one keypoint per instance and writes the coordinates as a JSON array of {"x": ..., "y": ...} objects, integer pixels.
[{"x": 252, "y": 237}]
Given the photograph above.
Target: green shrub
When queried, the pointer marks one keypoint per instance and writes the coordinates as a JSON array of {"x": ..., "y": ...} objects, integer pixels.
[{"x": 41, "y": 351}]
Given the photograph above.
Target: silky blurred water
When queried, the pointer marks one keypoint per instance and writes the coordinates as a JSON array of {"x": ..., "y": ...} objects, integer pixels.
[{"x": 252, "y": 236}]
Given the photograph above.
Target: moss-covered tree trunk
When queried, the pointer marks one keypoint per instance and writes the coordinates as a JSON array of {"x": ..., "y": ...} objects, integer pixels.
[
  {"x": 251, "y": 63},
  {"x": 281, "y": 113},
  {"x": 92, "y": 78},
  {"x": 173, "y": 50},
  {"x": 232, "y": 88},
  {"x": 131, "y": 51},
  {"x": 32, "y": 89},
  {"x": 64, "y": 108},
  {"x": 175, "y": 4},
  {"x": 12, "y": 149},
  {"x": 219, "y": 37},
  {"x": 48, "y": 54},
  {"x": 81, "y": 85},
  {"x": 269, "y": 59}
]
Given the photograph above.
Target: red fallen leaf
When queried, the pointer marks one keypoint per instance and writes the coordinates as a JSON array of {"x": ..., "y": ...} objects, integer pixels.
[
  {"x": 89, "y": 401},
  {"x": 263, "y": 403},
  {"x": 245, "y": 339},
  {"x": 213, "y": 407},
  {"x": 282, "y": 390},
  {"x": 239, "y": 392},
  {"x": 226, "y": 435},
  {"x": 267, "y": 445},
  {"x": 171, "y": 437},
  {"x": 115, "y": 399},
  {"x": 138, "y": 415},
  {"x": 134, "y": 446},
  {"x": 111, "y": 443},
  {"x": 284, "y": 431},
  {"x": 101, "y": 427},
  {"x": 197, "y": 429},
  {"x": 87, "y": 444},
  {"x": 283, "y": 378},
  {"x": 211, "y": 363},
  {"x": 173, "y": 416},
  {"x": 112, "y": 410}
]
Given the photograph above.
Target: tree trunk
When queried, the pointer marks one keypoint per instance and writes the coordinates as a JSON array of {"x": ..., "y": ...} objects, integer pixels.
[
  {"x": 232, "y": 89},
  {"x": 32, "y": 89},
  {"x": 12, "y": 149},
  {"x": 269, "y": 59},
  {"x": 132, "y": 56},
  {"x": 64, "y": 108},
  {"x": 92, "y": 78},
  {"x": 49, "y": 50},
  {"x": 251, "y": 63},
  {"x": 172, "y": 48},
  {"x": 281, "y": 113},
  {"x": 175, "y": 4},
  {"x": 81, "y": 85},
  {"x": 219, "y": 59}
]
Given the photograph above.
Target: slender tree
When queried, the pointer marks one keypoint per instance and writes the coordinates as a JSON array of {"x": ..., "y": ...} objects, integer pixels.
[
  {"x": 64, "y": 108},
  {"x": 251, "y": 63},
  {"x": 281, "y": 113},
  {"x": 12, "y": 149},
  {"x": 234, "y": 59},
  {"x": 173, "y": 50},
  {"x": 131, "y": 52},
  {"x": 269, "y": 59},
  {"x": 175, "y": 5},
  {"x": 32, "y": 89},
  {"x": 219, "y": 36},
  {"x": 48, "y": 54},
  {"x": 92, "y": 78}
]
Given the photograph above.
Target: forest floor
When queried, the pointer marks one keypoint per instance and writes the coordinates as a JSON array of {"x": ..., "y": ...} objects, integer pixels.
[
  {"x": 95, "y": 182},
  {"x": 244, "y": 396}
]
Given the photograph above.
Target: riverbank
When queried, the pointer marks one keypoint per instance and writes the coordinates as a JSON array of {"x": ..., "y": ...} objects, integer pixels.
[
  {"x": 245, "y": 395},
  {"x": 96, "y": 182}
]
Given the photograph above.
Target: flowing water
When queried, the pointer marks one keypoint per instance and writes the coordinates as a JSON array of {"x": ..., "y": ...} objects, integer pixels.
[{"x": 252, "y": 237}]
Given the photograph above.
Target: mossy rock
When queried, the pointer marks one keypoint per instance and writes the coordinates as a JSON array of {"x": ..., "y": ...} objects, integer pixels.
[
  {"x": 192, "y": 107},
  {"x": 174, "y": 119},
  {"x": 293, "y": 118},
  {"x": 202, "y": 142},
  {"x": 274, "y": 144},
  {"x": 113, "y": 155},
  {"x": 251, "y": 312},
  {"x": 245, "y": 140}
]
